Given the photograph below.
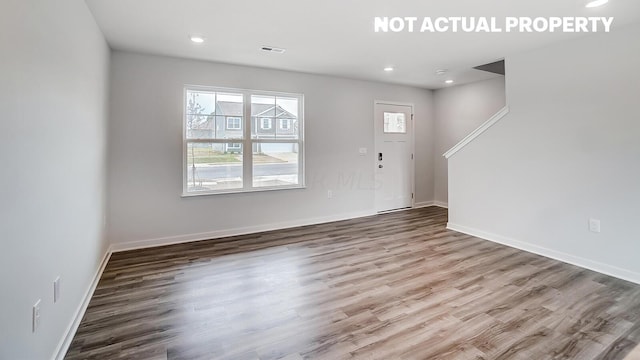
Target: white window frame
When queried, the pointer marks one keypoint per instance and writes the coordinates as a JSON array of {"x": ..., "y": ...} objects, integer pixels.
[
  {"x": 269, "y": 121},
  {"x": 234, "y": 118},
  {"x": 247, "y": 141},
  {"x": 285, "y": 121}
]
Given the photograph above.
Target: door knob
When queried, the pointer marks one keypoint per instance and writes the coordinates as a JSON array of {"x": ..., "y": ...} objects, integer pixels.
[{"x": 380, "y": 166}]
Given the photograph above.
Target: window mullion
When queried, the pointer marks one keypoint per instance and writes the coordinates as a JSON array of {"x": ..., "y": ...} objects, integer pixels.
[{"x": 247, "y": 147}]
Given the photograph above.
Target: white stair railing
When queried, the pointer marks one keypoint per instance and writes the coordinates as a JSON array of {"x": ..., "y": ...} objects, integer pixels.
[{"x": 477, "y": 132}]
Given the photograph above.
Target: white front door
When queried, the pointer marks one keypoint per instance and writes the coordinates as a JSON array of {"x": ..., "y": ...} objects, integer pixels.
[{"x": 394, "y": 156}]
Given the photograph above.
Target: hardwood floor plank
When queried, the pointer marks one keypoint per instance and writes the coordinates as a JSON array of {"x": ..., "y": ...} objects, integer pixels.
[{"x": 393, "y": 286}]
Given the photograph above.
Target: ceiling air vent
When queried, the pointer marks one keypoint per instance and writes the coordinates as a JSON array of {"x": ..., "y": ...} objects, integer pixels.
[{"x": 272, "y": 49}]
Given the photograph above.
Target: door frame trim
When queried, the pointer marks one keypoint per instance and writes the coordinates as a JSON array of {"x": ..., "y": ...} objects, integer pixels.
[{"x": 413, "y": 149}]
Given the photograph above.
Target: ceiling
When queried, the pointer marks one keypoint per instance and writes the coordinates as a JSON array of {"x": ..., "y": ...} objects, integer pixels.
[{"x": 336, "y": 37}]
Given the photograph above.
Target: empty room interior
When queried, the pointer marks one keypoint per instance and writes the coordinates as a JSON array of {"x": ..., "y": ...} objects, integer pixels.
[{"x": 442, "y": 179}]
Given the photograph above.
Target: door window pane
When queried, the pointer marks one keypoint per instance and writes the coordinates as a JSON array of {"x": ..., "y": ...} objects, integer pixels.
[
  {"x": 275, "y": 164},
  {"x": 395, "y": 123},
  {"x": 214, "y": 166}
]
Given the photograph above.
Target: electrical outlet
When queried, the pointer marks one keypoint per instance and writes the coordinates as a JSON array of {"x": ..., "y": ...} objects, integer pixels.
[
  {"x": 594, "y": 225},
  {"x": 36, "y": 316},
  {"x": 329, "y": 194},
  {"x": 56, "y": 289}
]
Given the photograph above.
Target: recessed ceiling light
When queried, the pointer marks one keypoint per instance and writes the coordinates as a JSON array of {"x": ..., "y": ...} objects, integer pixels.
[
  {"x": 441, "y": 71},
  {"x": 388, "y": 69},
  {"x": 449, "y": 81},
  {"x": 198, "y": 39},
  {"x": 596, "y": 3}
]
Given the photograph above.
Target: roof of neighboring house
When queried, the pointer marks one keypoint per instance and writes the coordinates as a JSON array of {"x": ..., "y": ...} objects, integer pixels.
[{"x": 227, "y": 108}]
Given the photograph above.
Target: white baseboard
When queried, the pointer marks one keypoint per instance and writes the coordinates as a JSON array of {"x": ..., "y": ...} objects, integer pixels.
[
  {"x": 553, "y": 254},
  {"x": 441, "y": 204},
  {"x": 424, "y": 204},
  {"x": 170, "y": 240},
  {"x": 65, "y": 342}
]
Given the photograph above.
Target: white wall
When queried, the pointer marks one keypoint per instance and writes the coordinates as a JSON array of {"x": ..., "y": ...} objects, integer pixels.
[
  {"x": 54, "y": 71},
  {"x": 568, "y": 150},
  {"x": 458, "y": 111},
  {"x": 145, "y": 152}
]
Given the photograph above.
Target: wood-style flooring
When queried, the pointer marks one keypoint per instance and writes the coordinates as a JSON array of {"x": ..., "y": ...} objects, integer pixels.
[{"x": 393, "y": 286}]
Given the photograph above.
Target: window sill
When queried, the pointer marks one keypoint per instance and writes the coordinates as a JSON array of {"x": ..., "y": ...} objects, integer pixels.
[{"x": 240, "y": 191}]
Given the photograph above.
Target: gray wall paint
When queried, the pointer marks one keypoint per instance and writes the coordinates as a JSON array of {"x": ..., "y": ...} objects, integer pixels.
[
  {"x": 458, "y": 111},
  {"x": 566, "y": 152},
  {"x": 54, "y": 69},
  {"x": 145, "y": 152}
]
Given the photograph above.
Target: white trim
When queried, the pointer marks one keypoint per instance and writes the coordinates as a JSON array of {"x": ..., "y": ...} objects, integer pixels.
[
  {"x": 394, "y": 210},
  {"x": 178, "y": 239},
  {"x": 477, "y": 132},
  {"x": 424, "y": 204},
  {"x": 242, "y": 190},
  {"x": 65, "y": 342},
  {"x": 441, "y": 204},
  {"x": 398, "y": 103},
  {"x": 553, "y": 254}
]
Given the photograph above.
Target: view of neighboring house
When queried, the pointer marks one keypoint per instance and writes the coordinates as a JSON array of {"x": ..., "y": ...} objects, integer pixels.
[{"x": 269, "y": 121}]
